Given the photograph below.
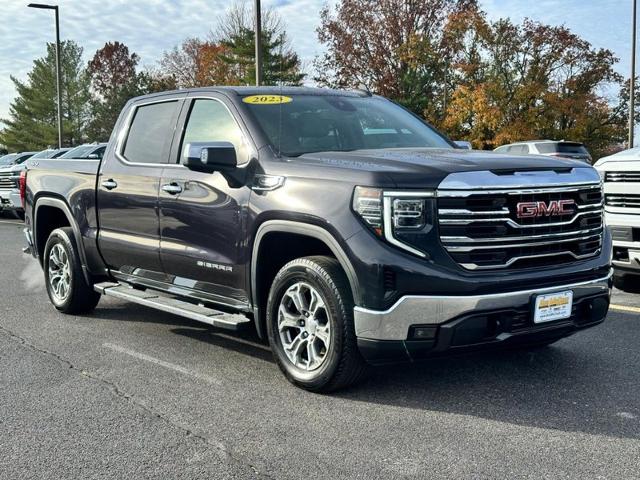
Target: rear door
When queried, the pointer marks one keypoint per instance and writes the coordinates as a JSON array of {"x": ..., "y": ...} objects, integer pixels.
[
  {"x": 201, "y": 216},
  {"x": 128, "y": 185}
]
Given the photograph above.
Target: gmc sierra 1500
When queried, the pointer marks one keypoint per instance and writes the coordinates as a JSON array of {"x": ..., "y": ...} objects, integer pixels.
[{"x": 341, "y": 226}]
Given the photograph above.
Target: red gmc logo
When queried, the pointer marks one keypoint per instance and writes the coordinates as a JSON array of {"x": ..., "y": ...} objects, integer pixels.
[{"x": 541, "y": 209}]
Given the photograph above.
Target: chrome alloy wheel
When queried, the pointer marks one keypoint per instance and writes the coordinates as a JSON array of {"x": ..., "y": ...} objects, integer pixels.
[
  {"x": 59, "y": 273},
  {"x": 304, "y": 326}
]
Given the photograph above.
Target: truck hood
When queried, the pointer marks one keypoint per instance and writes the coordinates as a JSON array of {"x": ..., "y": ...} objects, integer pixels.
[
  {"x": 13, "y": 169},
  {"x": 427, "y": 167}
]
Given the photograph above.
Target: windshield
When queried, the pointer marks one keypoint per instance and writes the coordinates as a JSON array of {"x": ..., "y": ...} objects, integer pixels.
[
  {"x": 45, "y": 154},
  {"x": 78, "y": 152},
  {"x": 302, "y": 124},
  {"x": 8, "y": 160}
]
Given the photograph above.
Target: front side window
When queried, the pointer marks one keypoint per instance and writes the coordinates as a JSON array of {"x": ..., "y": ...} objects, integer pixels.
[
  {"x": 302, "y": 124},
  {"x": 210, "y": 121},
  {"x": 150, "y": 133}
]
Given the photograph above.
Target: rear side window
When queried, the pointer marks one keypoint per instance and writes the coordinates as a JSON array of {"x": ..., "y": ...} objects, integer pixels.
[{"x": 150, "y": 133}]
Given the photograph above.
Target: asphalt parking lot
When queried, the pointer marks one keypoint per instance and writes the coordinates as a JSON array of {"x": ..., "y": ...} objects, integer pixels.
[{"x": 128, "y": 392}]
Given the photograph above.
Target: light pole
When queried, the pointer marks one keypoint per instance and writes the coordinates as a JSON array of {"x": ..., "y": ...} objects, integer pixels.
[
  {"x": 58, "y": 76},
  {"x": 258, "y": 42},
  {"x": 632, "y": 81}
]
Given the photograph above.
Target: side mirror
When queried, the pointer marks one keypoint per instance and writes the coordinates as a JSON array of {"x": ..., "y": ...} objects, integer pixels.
[
  {"x": 210, "y": 157},
  {"x": 463, "y": 144},
  {"x": 93, "y": 156}
]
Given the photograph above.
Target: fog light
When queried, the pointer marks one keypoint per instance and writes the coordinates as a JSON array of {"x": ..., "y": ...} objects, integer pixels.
[{"x": 424, "y": 333}]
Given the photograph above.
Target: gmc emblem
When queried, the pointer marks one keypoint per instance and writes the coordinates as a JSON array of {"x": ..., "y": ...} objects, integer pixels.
[{"x": 541, "y": 209}]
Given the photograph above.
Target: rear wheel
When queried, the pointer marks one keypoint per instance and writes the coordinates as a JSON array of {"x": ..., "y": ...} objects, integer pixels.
[
  {"x": 66, "y": 285},
  {"x": 310, "y": 325}
]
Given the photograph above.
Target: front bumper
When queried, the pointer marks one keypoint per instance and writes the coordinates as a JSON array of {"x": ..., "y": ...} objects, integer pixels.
[
  {"x": 464, "y": 322},
  {"x": 625, "y": 229}
]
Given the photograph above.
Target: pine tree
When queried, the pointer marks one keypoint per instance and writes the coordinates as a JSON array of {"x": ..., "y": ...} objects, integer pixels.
[{"x": 33, "y": 113}]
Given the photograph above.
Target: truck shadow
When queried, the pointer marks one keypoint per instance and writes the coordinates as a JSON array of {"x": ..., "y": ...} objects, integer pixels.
[
  {"x": 575, "y": 385},
  {"x": 586, "y": 383}
]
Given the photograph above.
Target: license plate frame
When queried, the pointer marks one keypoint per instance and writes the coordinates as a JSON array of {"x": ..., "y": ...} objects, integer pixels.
[{"x": 551, "y": 307}]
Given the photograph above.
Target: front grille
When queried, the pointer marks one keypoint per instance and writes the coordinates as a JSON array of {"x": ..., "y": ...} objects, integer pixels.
[
  {"x": 482, "y": 230},
  {"x": 625, "y": 200},
  {"x": 8, "y": 181},
  {"x": 622, "y": 176}
]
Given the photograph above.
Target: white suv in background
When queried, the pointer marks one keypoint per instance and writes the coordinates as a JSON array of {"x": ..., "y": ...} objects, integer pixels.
[
  {"x": 549, "y": 148},
  {"x": 621, "y": 175}
]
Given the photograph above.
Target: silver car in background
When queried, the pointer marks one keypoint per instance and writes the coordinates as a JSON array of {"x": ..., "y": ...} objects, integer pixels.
[{"x": 549, "y": 148}]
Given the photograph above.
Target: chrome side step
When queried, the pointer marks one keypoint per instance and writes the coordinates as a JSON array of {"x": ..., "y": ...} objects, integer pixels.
[{"x": 152, "y": 299}]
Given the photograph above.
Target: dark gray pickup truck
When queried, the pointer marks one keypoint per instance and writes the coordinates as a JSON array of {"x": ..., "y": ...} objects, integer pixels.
[{"x": 340, "y": 226}]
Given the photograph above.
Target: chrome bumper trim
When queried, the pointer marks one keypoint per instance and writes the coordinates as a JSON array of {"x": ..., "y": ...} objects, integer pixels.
[{"x": 394, "y": 323}]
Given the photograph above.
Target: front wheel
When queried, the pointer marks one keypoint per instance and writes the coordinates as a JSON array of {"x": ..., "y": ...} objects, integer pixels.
[
  {"x": 310, "y": 325},
  {"x": 66, "y": 285}
]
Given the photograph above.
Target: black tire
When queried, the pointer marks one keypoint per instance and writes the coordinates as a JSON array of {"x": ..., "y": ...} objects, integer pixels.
[
  {"x": 342, "y": 365},
  {"x": 80, "y": 297},
  {"x": 19, "y": 214},
  {"x": 627, "y": 282}
]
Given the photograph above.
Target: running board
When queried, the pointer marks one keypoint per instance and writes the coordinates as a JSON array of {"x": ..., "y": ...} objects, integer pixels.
[{"x": 149, "y": 298}]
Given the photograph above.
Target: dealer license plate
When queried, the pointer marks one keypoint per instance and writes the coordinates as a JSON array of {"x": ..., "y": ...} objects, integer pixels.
[{"x": 553, "y": 306}]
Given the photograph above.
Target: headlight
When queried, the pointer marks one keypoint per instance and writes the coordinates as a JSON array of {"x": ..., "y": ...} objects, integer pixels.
[
  {"x": 367, "y": 202},
  {"x": 402, "y": 218},
  {"x": 408, "y": 213}
]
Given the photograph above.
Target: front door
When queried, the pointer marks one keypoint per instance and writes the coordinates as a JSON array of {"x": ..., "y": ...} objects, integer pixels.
[
  {"x": 201, "y": 216},
  {"x": 128, "y": 186}
]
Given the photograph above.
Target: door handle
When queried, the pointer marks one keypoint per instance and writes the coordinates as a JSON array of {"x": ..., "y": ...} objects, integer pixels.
[
  {"x": 172, "y": 188},
  {"x": 109, "y": 184}
]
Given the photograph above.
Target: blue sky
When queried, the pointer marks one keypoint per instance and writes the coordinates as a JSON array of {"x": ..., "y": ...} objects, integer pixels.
[{"x": 150, "y": 27}]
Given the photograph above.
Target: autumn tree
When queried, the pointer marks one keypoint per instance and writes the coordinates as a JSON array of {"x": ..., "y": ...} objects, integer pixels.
[
  {"x": 114, "y": 80},
  {"x": 487, "y": 82},
  {"x": 392, "y": 47},
  {"x": 32, "y": 122},
  {"x": 197, "y": 63}
]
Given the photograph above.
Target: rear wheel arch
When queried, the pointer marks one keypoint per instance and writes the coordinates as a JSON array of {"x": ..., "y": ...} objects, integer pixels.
[
  {"x": 50, "y": 214},
  {"x": 319, "y": 242}
]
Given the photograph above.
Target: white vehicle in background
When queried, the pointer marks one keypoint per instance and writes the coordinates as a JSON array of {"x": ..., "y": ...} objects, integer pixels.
[
  {"x": 621, "y": 175},
  {"x": 548, "y": 148}
]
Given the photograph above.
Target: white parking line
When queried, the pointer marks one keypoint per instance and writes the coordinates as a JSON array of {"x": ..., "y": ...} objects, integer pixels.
[
  {"x": 9, "y": 222},
  {"x": 624, "y": 308},
  {"x": 162, "y": 363}
]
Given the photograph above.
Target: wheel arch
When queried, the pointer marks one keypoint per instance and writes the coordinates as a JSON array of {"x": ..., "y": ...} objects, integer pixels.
[
  {"x": 56, "y": 204},
  {"x": 319, "y": 234}
]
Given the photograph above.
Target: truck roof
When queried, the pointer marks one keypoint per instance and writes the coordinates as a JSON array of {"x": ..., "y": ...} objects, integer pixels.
[{"x": 274, "y": 90}]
